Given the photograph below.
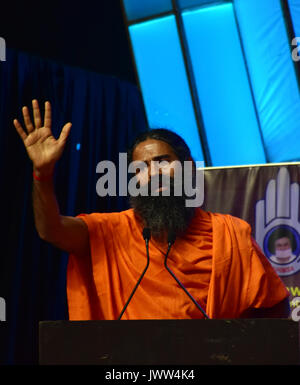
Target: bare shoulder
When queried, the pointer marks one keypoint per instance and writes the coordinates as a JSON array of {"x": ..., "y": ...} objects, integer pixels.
[{"x": 74, "y": 236}]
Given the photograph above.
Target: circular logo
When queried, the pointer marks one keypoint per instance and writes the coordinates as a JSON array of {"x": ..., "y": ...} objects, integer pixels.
[{"x": 282, "y": 247}]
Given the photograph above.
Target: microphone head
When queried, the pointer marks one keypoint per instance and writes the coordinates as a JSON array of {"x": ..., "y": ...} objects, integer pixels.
[
  {"x": 147, "y": 234},
  {"x": 171, "y": 237}
]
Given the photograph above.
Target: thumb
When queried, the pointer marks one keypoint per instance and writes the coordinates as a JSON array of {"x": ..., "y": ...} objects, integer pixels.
[{"x": 65, "y": 133}]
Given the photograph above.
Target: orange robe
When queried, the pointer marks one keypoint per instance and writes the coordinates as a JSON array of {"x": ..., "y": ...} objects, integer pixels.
[{"x": 216, "y": 260}]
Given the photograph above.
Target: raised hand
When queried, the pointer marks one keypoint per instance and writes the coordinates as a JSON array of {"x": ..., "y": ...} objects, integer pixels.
[
  {"x": 42, "y": 148},
  {"x": 279, "y": 209}
]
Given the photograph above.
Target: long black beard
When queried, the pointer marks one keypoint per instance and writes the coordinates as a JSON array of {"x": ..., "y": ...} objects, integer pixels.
[{"x": 163, "y": 214}]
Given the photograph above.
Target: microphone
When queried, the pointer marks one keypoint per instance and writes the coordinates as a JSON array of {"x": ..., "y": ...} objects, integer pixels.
[
  {"x": 171, "y": 240},
  {"x": 146, "y": 236}
]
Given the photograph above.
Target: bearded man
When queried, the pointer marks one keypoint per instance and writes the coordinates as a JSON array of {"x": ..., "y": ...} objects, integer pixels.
[{"x": 218, "y": 269}]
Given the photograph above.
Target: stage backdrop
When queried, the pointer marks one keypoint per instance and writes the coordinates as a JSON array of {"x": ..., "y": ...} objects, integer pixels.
[{"x": 267, "y": 197}]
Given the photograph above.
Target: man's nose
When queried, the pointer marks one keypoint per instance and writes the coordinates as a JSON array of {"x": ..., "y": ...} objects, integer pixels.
[{"x": 153, "y": 171}]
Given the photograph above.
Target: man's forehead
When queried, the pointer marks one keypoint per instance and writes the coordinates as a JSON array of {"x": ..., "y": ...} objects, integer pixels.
[
  {"x": 151, "y": 149},
  {"x": 283, "y": 239}
]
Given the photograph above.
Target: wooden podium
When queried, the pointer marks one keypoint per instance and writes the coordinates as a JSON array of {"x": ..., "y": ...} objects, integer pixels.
[{"x": 170, "y": 342}]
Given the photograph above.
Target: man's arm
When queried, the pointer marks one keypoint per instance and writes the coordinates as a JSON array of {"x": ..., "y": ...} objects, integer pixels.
[
  {"x": 280, "y": 310},
  {"x": 67, "y": 233}
]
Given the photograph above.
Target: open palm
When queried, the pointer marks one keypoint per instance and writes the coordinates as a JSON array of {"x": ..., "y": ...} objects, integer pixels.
[{"x": 42, "y": 148}]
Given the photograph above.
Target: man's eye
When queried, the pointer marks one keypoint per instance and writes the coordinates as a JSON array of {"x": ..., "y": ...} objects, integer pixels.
[{"x": 140, "y": 169}]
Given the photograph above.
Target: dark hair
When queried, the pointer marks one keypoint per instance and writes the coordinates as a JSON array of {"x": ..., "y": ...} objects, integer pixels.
[
  {"x": 281, "y": 232},
  {"x": 178, "y": 145}
]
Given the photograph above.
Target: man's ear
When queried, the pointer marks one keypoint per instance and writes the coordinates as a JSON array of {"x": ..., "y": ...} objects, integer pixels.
[
  {"x": 194, "y": 171},
  {"x": 190, "y": 159}
]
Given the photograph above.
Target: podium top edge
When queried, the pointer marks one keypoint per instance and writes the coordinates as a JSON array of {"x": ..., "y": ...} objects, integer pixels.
[{"x": 225, "y": 320}]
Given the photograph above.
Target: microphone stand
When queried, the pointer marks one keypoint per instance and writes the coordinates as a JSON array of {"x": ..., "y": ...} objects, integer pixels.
[
  {"x": 171, "y": 240},
  {"x": 146, "y": 235}
]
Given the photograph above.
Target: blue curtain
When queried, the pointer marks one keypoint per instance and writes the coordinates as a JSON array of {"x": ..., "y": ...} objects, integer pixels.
[{"x": 106, "y": 114}]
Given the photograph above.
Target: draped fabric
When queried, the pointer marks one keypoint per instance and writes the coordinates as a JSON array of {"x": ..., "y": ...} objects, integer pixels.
[
  {"x": 106, "y": 114},
  {"x": 98, "y": 287},
  {"x": 215, "y": 260}
]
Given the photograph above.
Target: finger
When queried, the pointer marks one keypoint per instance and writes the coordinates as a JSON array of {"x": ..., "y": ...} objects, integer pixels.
[
  {"x": 47, "y": 120},
  {"x": 295, "y": 202},
  {"x": 27, "y": 120},
  {"x": 36, "y": 114},
  {"x": 20, "y": 130},
  {"x": 283, "y": 189},
  {"x": 65, "y": 133},
  {"x": 260, "y": 221},
  {"x": 271, "y": 201}
]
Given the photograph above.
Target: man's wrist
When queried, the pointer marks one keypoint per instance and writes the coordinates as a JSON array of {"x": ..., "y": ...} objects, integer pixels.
[{"x": 42, "y": 176}]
